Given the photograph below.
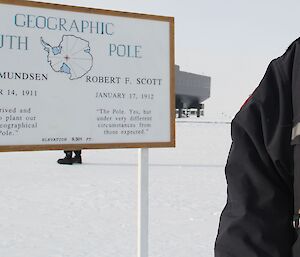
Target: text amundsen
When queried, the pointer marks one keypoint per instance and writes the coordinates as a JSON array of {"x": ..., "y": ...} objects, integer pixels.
[{"x": 23, "y": 76}]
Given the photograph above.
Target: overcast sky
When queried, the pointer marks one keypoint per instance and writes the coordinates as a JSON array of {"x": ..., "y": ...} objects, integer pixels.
[{"x": 231, "y": 41}]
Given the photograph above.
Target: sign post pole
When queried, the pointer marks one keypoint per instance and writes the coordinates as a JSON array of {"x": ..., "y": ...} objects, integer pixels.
[{"x": 143, "y": 202}]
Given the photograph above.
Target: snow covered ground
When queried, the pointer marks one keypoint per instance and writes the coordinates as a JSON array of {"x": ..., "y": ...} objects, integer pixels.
[{"x": 89, "y": 210}]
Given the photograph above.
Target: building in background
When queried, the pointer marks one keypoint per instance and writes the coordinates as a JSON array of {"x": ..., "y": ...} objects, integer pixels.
[{"x": 191, "y": 91}]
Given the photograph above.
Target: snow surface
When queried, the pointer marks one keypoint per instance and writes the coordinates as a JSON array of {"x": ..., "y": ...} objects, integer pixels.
[{"x": 89, "y": 210}]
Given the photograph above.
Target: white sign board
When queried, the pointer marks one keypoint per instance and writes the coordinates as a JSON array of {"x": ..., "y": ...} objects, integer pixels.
[{"x": 80, "y": 78}]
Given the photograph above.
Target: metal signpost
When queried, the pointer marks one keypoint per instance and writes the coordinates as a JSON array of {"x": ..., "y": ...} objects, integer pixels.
[
  {"x": 81, "y": 78},
  {"x": 143, "y": 203}
]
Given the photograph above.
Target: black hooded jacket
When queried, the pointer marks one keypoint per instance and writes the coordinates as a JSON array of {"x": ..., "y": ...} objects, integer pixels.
[{"x": 263, "y": 167}]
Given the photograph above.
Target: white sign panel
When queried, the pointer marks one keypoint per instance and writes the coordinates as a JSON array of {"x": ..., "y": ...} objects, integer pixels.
[{"x": 74, "y": 77}]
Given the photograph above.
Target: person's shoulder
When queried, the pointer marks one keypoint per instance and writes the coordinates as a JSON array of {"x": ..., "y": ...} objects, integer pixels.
[
  {"x": 293, "y": 45},
  {"x": 290, "y": 56}
]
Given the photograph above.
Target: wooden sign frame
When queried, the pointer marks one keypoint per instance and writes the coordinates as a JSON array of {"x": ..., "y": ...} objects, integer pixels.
[{"x": 170, "y": 20}]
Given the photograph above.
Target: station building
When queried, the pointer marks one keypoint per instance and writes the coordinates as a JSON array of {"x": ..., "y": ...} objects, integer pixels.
[{"x": 191, "y": 91}]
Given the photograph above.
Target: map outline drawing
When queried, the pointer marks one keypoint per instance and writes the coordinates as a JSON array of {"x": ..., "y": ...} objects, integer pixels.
[{"x": 65, "y": 57}]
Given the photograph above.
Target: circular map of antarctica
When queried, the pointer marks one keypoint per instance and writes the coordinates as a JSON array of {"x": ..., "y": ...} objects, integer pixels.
[{"x": 72, "y": 56}]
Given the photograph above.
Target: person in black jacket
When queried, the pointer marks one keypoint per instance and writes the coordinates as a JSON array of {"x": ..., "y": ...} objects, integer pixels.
[
  {"x": 263, "y": 168},
  {"x": 69, "y": 159}
]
